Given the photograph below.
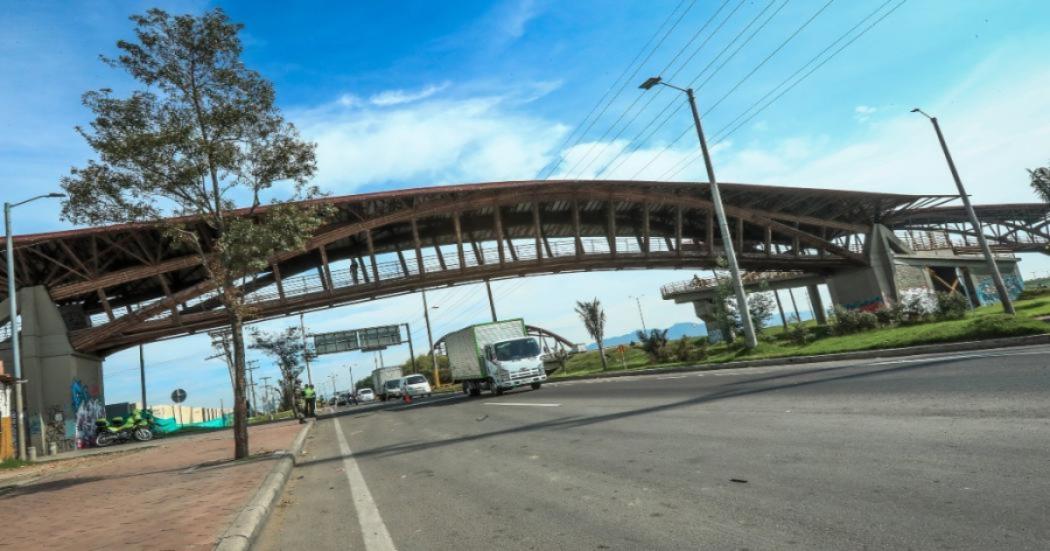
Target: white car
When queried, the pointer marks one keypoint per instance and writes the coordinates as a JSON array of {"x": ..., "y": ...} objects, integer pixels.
[
  {"x": 415, "y": 385},
  {"x": 365, "y": 395}
]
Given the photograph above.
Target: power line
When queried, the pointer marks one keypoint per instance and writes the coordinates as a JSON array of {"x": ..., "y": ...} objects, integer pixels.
[
  {"x": 651, "y": 98},
  {"x": 717, "y": 69},
  {"x": 670, "y": 16},
  {"x": 638, "y": 140},
  {"x": 818, "y": 66},
  {"x": 714, "y": 60},
  {"x": 729, "y": 129}
]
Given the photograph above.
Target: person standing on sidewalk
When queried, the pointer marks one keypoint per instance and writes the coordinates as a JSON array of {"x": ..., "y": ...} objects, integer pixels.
[{"x": 310, "y": 397}]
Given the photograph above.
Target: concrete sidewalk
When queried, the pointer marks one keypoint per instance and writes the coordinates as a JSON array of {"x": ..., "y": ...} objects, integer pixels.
[{"x": 180, "y": 494}]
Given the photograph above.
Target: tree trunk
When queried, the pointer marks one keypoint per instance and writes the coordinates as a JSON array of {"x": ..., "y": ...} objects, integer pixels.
[
  {"x": 601, "y": 354},
  {"x": 240, "y": 404}
]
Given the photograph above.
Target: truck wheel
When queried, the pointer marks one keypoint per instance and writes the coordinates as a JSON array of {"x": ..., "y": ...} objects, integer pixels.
[
  {"x": 497, "y": 391},
  {"x": 536, "y": 386},
  {"x": 466, "y": 388}
]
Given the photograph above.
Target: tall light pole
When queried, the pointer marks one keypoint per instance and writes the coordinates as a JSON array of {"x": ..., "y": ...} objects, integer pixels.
[
  {"x": 430, "y": 340},
  {"x": 1000, "y": 286},
  {"x": 12, "y": 302},
  {"x": 723, "y": 224},
  {"x": 306, "y": 353},
  {"x": 638, "y": 300}
]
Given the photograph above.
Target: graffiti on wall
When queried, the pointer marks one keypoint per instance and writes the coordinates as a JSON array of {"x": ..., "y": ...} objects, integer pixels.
[
  {"x": 88, "y": 408},
  {"x": 868, "y": 305},
  {"x": 986, "y": 293},
  {"x": 58, "y": 428}
]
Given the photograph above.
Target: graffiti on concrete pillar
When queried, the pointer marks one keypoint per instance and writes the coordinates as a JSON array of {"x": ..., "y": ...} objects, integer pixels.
[
  {"x": 986, "y": 293},
  {"x": 55, "y": 428},
  {"x": 87, "y": 409}
]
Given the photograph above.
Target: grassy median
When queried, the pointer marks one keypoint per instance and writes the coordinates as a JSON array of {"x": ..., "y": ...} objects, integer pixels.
[{"x": 987, "y": 322}]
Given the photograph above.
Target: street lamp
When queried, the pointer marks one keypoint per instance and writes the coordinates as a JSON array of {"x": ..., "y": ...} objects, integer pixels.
[
  {"x": 723, "y": 224},
  {"x": 12, "y": 302},
  {"x": 1000, "y": 286}
]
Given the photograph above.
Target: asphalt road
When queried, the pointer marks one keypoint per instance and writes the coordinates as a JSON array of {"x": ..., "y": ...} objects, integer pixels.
[{"x": 933, "y": 452}]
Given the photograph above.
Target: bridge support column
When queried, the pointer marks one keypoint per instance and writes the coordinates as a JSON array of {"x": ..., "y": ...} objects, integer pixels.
[
  {"x": 64, "y": 389},
  {"x": 817, "y": 303}
]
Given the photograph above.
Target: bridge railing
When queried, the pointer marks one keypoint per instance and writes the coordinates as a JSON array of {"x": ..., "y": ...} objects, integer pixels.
[
  {"x": 345, "y": 273},
  {"x": 702, "y": 283}
]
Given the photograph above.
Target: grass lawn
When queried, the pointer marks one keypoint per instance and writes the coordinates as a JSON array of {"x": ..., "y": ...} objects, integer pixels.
[
  {"x": 13, "y": 463},
  {"x": 983, "y": 323}
]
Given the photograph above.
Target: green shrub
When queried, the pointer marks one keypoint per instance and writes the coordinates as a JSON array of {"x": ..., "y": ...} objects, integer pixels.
[
  {"x": 799, "y": 334},
  {"x": 951, "y": 306},
  {"x": 889, "y": 315},
  {"x": 847, "y": 322}
]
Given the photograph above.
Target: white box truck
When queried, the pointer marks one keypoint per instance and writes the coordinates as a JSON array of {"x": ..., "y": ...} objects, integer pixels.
[
  {"x": 495, "y": 356},
  {"x": 381, "y": 376}
]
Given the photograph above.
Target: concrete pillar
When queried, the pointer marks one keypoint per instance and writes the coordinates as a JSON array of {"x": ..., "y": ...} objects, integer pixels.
[
  {"x": 817, "y": 304},
  {"x": 64, "y": 391}
]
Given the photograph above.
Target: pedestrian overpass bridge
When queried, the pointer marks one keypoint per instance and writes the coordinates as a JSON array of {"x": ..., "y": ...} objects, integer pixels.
[{"x": 123, "y": 285}]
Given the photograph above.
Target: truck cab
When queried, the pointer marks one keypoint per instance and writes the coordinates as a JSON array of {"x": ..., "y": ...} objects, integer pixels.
[{"x": 514, "y": 362}]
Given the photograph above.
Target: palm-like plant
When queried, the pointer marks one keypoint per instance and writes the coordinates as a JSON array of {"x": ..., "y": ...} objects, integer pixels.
[{"x": 593, "y": 317}]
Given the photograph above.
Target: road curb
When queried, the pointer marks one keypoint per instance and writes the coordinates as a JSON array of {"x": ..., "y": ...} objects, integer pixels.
[
  {"x": 242, "y": 532},
  {"x": 1005, "y": 342}
]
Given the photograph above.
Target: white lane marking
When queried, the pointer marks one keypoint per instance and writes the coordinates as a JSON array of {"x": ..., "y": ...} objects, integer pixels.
[
  {"x": 521, "y": 404},
  {"x": 674, "y": 377},
  {"x": 373, "y": 530},
  {"x": 958, "y": 357}
]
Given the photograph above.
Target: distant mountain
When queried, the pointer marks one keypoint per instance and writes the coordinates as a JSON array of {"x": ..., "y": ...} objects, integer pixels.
[
  {"x": 690, "y": 329},
  {"x": 676, "y": 331}
]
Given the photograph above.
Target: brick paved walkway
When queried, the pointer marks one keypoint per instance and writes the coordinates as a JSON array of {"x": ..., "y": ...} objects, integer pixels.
[{"x": 153, "y": 498}]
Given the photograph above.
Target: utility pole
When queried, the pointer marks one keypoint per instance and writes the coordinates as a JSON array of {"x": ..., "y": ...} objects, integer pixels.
[
  {"x": 142, "y": 374},
  {"x": 492, "y": 304},
  {"x": 12, "y": 303},
  {"x": 723, "y": 225},
  {"x": 411, "y": 350},
  {"x": 1000, "y": 285},
  {"x": 306, "y": 353},
  {"x": 266, "y": 393},
  {"x": 430, "y": 340},
  {"x": 251, "y": 366},
  {"x": 353, "y": 390}
]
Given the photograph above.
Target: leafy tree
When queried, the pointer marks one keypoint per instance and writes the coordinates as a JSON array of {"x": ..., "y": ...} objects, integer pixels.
[
  {"x": 363, "y": 383},
  {"x": 760, "y": 306},
  {"x": 724, "y": 309},
  {"x": 593, "y": 316},
  {"x": 201, "y": 132},
  {"x": 1040, "y": 181},
  {"x": 286, "y": 349},
  {"x": 426, "y": 368},
  {"x": 654, "y": 343}
]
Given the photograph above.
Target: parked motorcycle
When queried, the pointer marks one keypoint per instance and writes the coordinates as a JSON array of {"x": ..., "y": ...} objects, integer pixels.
[{"x": 119, "y": 430}]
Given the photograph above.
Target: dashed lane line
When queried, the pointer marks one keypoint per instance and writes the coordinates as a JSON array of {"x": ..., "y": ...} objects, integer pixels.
[{"x": 522, "y": 404}]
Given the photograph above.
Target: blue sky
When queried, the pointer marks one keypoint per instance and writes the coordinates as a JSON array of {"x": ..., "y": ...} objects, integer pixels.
[{"x": 428, "y": 93}]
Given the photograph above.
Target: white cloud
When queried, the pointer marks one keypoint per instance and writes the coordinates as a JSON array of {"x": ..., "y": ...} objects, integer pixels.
[
  {"x": 388, "y": 98},
  {"x": 863, "y": 113},
  {"x": 994, "y": 135},
  {"x": 426, "y": 143}
]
